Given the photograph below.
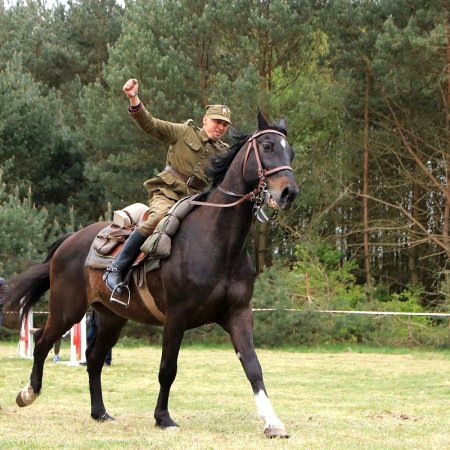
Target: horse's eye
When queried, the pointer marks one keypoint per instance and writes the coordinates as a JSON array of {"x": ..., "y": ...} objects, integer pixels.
[{"x": 266, "y": 145}]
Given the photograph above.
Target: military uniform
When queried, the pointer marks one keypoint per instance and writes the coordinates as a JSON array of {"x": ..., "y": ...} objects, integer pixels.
[{"x": 189, "y": 151}]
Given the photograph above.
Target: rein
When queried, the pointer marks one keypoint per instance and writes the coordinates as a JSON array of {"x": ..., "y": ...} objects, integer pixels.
[{"x": 259, "y": 195}]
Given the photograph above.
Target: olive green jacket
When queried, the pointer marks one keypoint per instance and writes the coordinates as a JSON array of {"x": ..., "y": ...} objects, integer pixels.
[{"x": 189, "y": 152}]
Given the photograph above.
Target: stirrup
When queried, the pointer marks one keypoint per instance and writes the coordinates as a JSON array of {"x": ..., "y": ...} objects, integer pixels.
[{"x": 113, "y": 299}]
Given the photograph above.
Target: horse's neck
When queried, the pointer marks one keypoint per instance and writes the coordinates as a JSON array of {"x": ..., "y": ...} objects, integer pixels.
[
  {"x": 231, "y": 224},
  {"x": 233, "y": 180}
]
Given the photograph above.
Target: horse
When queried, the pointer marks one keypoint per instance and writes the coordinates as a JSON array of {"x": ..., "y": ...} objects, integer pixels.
[{"x": 208, "y": 278}]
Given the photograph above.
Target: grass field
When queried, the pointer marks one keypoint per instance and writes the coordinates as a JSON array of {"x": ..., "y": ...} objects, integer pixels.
[{"x": 348, "y": 399}]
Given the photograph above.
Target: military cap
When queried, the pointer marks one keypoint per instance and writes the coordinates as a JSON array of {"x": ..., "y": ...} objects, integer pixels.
[{"x": 220, "y": 112}]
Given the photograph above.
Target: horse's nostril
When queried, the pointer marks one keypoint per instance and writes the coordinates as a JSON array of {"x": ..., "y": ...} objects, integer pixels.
[{"x": 289, "y": 193}]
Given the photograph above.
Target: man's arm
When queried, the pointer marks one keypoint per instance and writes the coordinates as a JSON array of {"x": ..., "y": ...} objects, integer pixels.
[{"x": 164, "y": 131}]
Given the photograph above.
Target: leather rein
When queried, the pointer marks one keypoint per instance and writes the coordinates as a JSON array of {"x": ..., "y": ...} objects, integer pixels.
[{"x": 259, "y": 195}]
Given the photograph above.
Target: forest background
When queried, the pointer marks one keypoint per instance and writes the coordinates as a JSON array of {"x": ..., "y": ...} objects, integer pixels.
[{"x": 365, "y": 87}]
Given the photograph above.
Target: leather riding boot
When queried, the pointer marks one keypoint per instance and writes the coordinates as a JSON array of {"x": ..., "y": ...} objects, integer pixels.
[{"x": 115, "y": 272}]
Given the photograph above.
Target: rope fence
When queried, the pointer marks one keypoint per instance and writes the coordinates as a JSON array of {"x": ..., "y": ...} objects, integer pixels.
[
  {"x": 332, "y": 311},
  {"x": 372, "y": 313},
  {"x": 78, "y": 331}
]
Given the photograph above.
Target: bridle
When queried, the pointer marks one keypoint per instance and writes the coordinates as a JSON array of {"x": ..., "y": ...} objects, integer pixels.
[{"x": 260, "y": 195}]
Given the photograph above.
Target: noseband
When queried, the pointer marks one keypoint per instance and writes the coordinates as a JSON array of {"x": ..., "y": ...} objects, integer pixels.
[{"x": 259, "y": 195}]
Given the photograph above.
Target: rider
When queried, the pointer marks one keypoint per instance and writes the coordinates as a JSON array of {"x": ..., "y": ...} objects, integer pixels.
[{"x": 189, "y": 150}]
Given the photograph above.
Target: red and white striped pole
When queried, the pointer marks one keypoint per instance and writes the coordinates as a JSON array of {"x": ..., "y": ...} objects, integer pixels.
[
  {"x": 26, "y": 340},
  {"x": 78, "y": 343}
]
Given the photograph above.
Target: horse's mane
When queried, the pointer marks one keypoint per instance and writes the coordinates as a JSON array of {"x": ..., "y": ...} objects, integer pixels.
[{"x": 219, "y": 164}]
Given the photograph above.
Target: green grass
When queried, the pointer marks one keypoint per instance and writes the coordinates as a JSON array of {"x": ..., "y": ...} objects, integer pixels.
[{"x": 346, "y": 398}]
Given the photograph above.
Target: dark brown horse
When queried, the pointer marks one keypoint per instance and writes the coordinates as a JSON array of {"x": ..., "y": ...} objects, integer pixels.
[{"x": 208, "y": 278}]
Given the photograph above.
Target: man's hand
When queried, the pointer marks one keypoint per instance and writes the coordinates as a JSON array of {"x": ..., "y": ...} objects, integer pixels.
[{"x": 131, "y": 87}]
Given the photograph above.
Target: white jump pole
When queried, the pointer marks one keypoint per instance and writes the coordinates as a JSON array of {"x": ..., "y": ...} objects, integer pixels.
[
  {"x": 26, "y": 340},
  {"x": 78, "y": 343}
]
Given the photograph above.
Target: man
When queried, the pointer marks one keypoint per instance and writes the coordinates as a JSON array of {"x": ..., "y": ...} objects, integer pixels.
[
  {"x": 189, "y": 151},
  {"x": 92, "y": 331}
]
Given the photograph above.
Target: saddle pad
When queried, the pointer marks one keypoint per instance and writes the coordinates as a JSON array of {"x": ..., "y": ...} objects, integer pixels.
[{"x": 96, "y": 261}]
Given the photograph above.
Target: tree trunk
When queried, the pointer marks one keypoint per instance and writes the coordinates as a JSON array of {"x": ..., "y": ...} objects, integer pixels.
[
  {"x": 412, "y": 251},
  {"x": 367, "y": 265},
  {"x": 446, "y": 218}
]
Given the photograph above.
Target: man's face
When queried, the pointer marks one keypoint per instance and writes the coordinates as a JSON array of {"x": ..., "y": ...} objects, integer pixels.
[{"x": 214, "y": 128}]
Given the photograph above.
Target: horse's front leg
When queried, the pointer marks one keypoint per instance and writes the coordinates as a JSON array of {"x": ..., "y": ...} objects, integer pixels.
[
  {"x": 240, "y": 328},
  {"x": 172, "y": 337}
]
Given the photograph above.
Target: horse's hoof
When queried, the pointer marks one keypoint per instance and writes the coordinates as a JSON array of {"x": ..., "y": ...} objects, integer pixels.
[
  {"x": 168, "y": 425},
  {"x": 104, "y": 418},
  {"x": 19, "y": 400},
  {"x": 26, "y": 396},
  {"x": 171, "y": 428},
  {"x": 276, "y": 432}
]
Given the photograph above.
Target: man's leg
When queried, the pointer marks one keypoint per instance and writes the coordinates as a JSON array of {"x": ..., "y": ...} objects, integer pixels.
[
  {"x": 56, "y": 348},
  {"x": 159, "y": 205},
  {"x": 114, "y": 274}
]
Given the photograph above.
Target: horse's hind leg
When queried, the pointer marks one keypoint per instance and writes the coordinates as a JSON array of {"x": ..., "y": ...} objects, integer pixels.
[
  {"x": 28, "y": 394},
  {"x": 108, "y": 333},
  {"x": 44, "y": 340},
  {"x": 240, "y": 328}
]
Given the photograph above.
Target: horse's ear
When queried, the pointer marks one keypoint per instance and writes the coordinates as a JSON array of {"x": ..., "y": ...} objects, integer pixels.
[
  {"x": 262, "y": 122},
  {"x": 283, "y": 125}
]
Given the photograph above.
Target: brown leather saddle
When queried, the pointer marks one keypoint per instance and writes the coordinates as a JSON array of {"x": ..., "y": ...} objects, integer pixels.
[{"x": 110, "y": 240}]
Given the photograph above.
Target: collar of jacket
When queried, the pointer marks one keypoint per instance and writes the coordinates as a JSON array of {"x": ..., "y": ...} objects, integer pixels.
[{"x": 205, "y": 139}]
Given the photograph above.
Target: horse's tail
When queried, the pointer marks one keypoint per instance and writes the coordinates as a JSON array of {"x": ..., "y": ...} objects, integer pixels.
[{"x": 26, "y": 288}]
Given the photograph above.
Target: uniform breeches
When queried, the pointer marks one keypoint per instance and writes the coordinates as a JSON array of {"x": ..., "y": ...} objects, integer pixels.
[{"x": 159, "y": 205}]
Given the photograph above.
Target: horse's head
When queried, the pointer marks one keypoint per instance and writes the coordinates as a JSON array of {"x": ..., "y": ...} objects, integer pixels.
[{"x": 268, "y": 163}]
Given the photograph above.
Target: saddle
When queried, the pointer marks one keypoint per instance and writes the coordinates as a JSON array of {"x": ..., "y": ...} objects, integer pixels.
[
  {"x": 109, "y": 241},
  {"x": 106, "y": 242}
]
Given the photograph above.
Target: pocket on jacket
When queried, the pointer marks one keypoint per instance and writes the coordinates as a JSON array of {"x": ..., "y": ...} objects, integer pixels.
[
  {"x": 192, "y": 142},
  {"x": 167, "y": 178}
]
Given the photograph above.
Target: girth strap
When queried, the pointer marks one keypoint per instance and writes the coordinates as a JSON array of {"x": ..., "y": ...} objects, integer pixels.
[{"x": 145, "y": 295}]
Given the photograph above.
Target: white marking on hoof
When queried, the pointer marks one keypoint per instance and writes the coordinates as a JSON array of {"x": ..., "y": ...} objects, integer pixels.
[
  {"x": 276, "y": 432},
  {"x": 27, "y": 395},
  {"x": 239, "y": 355},
  {"x": 273, "y": 425}
]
